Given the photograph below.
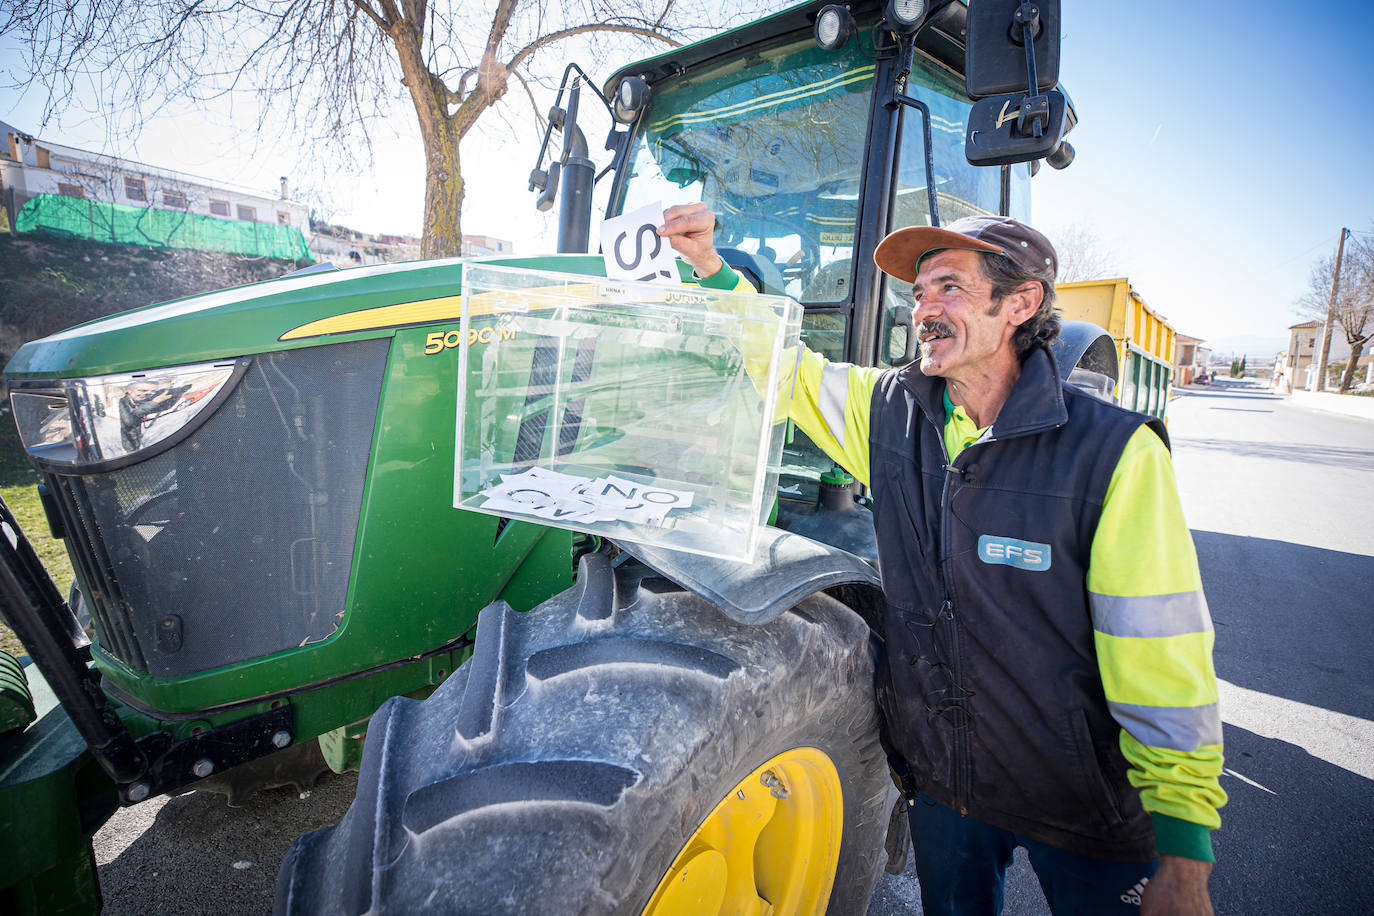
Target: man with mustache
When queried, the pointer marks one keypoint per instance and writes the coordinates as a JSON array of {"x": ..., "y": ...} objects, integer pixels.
[{"x": 1047, "y": 677}]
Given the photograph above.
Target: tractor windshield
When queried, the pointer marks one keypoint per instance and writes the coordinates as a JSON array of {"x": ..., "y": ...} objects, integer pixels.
[{"x": 774, "y": 142}]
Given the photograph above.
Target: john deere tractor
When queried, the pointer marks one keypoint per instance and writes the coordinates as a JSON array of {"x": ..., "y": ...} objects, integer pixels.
[{"x": 255, "y": 487}]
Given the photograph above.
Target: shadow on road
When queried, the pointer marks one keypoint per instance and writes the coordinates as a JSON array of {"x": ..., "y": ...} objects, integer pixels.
[
  {"x": 1236, "y": 392},
  {"x": 1290, "y": 841},
  {"x": 1292, "y": 621},
  {"x": 1355, "y": 459},
  {"x": 197, "y": 855},
  {"x": 1241, "y": 395}
]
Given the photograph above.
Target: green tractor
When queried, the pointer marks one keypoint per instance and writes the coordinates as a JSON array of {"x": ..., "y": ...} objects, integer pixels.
[{"x": 256, "y": 490}]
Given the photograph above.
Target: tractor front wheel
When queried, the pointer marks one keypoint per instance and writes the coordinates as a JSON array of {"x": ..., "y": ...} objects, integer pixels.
[{"x": 624, "y": 748}]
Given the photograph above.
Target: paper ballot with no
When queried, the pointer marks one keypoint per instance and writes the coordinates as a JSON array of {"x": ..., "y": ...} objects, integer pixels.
[{"x": 568, "y": 498}]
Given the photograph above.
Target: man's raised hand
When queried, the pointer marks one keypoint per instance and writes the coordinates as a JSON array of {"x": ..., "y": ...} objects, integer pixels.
[{"x": 690, "y": 229}]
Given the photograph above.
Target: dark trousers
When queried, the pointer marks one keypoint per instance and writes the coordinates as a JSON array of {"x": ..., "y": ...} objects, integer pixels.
[{"x": 962, "y": 863}]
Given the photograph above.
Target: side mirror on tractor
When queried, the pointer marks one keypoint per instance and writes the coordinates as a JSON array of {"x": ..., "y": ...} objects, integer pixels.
[{"x": 1012, "y": 68}]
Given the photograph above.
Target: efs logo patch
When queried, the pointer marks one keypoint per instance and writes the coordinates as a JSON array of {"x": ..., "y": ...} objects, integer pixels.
[{"x": 1011, "y": 552}]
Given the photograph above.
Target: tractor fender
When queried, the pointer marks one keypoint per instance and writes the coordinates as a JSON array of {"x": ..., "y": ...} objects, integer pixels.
[
  {"x": 1084, "y": 345},
  {"x": 787, "y": 569},
  {"x": 1087, "y": 359}
]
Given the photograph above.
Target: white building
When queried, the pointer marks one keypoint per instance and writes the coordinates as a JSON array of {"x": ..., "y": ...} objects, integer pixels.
[{"x": 30, "y": 166}]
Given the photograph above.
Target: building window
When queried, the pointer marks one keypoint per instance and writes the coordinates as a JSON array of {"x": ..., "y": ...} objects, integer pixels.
[
  {"x": 1311, "y": 341},
  {"x": 247, "y": 214},
  {"x": 284, "y": 219},
  {"x": 134, "y": 190},
  {"x": 221, "y": 207},
  {"x": 71, "y": 190},
  {"x": 176, "y": 200}
]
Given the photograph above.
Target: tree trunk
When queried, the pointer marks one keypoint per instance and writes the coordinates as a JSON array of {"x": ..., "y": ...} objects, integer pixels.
[
  {"x": 440, "y": 133},
  {"x": 1352, "y": 364},
  {"x": 443, "y": 233}
]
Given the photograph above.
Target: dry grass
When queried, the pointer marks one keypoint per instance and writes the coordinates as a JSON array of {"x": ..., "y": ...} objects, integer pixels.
[{"x": 18, "y": 487}]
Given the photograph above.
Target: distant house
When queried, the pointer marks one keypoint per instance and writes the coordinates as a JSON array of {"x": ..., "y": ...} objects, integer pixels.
[
  {"x": 482, "y": 245},
  {"x": 345, "y": 247},
  {"x": 1303, "y": 353},
  {"x": 1190, "y": 358},
  {"x": 46, "y": 179}
]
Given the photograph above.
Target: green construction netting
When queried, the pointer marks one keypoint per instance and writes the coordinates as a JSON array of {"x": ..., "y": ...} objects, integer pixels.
[{"x": 109, "y": 222}]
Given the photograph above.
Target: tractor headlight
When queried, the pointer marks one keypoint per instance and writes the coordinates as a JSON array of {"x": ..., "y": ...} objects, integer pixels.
[
  {"x": 107, "y": 421},
  {"x": 834, "y": 25},
  {"x": 904, "y": 16}
]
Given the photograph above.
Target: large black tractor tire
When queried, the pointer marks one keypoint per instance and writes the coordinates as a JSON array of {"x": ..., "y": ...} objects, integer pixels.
[{"x": 564, "y": 768}]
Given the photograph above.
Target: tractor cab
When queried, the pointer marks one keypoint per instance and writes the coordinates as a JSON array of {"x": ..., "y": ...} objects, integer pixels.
[{"x": 812, "y": 134}]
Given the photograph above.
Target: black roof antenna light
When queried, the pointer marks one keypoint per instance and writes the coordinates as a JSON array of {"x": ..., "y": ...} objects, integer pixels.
[{"x": 905, "y": 16}]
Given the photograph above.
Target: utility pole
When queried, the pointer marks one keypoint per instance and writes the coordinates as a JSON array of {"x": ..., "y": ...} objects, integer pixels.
[{"x": 1319, "y": 383}]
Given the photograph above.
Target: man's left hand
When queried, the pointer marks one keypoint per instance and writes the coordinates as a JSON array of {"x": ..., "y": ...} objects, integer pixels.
[
  {"x": 1178, "y": 888},
  {"x": 690, "y": 229}
]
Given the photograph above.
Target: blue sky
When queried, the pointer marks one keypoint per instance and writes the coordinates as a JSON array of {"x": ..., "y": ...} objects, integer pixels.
[{"x": 1221, "y": 147}]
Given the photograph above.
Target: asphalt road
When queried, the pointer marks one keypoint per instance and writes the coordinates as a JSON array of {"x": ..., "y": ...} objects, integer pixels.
[{"x": 1281, "y": 503}]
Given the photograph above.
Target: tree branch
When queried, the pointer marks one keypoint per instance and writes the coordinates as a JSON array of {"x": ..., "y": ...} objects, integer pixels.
[
  {"x": 534, "y": 106},
  {"x": 545, "y": 40},
  {"x": 372, "y": 14},
  {"x": 500, "y": 24}
]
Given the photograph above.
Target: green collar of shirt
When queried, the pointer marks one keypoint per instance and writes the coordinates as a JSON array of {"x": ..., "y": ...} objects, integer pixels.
[{"x": 960, "y": 432}]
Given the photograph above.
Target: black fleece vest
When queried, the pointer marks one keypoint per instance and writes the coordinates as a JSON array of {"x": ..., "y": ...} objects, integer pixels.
[{"x": 989, "y": 683}]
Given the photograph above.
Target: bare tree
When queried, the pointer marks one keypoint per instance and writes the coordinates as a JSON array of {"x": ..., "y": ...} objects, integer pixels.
[
  {"x": 328, "y": 67},
  {"x": 1354, "y": 307},
  {"x": 1083, "y": 255}
]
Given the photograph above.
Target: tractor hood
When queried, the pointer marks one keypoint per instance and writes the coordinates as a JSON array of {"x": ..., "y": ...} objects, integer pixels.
[{"x": 286, "y": 313}]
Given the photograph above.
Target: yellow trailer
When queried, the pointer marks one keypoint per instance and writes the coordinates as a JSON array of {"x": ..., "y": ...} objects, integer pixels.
[{"x": 1144, "y": 338}]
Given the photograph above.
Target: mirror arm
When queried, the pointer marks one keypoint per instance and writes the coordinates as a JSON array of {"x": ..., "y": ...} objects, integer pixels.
[
  {"x": 1035, "y": 109},
  {"x": 564, "y": 119}
]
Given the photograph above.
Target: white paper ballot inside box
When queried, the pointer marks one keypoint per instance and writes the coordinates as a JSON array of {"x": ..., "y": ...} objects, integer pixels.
[{"x": 568, "y": 498}]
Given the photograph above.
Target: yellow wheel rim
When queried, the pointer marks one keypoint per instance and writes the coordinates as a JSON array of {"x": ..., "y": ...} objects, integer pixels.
[{"x": 769, "y": 848}]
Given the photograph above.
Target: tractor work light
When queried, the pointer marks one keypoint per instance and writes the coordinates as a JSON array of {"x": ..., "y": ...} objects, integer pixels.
[
  {"x": 905, "y": 16},
  {"x": 834, "y": 26},
  {"x": 108, "y": 421},
  {"x": 630, "y": 98}
]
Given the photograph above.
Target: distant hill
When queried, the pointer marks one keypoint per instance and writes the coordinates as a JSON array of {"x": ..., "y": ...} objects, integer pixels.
[{"x": 1251, "y": 346}]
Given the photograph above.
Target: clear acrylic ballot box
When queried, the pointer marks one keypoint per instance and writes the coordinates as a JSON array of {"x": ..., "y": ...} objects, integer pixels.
[{"x": 640, "y": 412}]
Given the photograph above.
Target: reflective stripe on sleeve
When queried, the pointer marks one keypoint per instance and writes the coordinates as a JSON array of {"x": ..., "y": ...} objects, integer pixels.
[
  {"x": 796, "y": 371},
  {"x": 831, "y": 398},
  {"x": 1150, "y": 616},
  {"x": 1185, "y": 728}
]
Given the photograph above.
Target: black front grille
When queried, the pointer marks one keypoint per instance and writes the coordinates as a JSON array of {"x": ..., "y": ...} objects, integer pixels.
[{"x": 238, "y": 541}]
